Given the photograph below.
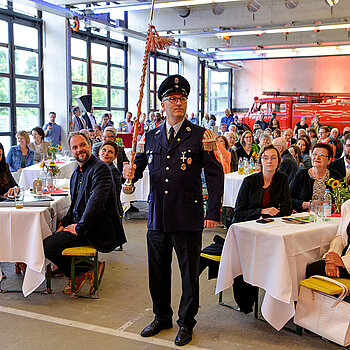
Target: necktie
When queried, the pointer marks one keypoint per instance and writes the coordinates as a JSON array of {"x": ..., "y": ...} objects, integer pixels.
[{"x": 171, "y": 135}]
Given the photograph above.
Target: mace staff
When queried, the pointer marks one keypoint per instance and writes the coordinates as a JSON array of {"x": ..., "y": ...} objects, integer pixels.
[{"x": 153, "y": 42}]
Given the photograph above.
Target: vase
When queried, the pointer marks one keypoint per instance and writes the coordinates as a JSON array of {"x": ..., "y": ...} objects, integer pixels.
[
  {"x": 53, "y": 157},
  {"x": 338, "y": 202},
  {"x": 50, "y": 182}
]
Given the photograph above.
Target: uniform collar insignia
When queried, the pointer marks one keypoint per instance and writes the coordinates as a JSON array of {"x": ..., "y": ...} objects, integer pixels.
[
  {"x": 188, "y": 128},
  {"x": 157, "y": 132}
]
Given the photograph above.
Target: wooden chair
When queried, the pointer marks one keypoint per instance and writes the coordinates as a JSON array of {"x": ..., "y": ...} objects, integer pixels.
[{"x": 84, "y": 256}]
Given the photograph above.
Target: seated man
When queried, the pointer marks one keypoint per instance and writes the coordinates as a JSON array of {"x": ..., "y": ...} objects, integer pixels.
[
  {"x": 93, "y": 217},
  {"x": 336, "y": 262},
  {"x": 289, "y": 165}
]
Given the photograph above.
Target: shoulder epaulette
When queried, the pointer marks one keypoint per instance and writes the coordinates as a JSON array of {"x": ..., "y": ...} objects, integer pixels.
[{"x": 209, "y": 140}]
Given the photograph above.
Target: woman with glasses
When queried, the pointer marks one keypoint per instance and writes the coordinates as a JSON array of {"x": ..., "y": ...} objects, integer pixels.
[
  {"x": 264, "y": 194},
  {"x": 312, "y": 182},
  {"x": 246, "y": 149}
]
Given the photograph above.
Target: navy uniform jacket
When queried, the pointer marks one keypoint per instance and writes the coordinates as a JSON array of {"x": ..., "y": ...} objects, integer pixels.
[
  {"x": 175, "y": 198},
  {"x": 96, "y": 207}
]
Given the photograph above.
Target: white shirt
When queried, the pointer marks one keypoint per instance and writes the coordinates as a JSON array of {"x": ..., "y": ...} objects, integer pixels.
[{"x": 176, "y": 128}]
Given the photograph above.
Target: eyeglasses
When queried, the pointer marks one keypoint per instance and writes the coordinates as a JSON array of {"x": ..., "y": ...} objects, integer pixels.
[
  {"x": 173, "y": 100},
  {"x": 322, "y": 156}
]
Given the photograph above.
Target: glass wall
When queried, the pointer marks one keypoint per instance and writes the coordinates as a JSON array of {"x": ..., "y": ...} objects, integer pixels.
[{"x": 21, "y": 93}]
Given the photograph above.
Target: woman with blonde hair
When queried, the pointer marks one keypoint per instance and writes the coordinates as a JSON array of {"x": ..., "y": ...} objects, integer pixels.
[{"x": 20, "y": 156}]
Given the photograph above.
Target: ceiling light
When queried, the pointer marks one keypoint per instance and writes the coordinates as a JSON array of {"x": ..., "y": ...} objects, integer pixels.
[
  {"x": 332, "y": 2},
  {"x": 291, "y": 4},
  {"x": 253, "y": 5}
]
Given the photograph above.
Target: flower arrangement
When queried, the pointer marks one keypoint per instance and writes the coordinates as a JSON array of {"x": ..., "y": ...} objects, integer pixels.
[
  {"x": 119, "y": 142},
  {"x": 339, "y": 192},
  {"x": 54, "y": 150},
  {"x": 256, "y": 150},
  {"x": 50, "y": 168}
]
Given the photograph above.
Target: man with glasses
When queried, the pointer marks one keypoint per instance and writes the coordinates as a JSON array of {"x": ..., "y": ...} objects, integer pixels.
[
  {"x": 342, "y": 165},
  {"x": 289, "y": 165},
  {"x": 176, "y": 152}
]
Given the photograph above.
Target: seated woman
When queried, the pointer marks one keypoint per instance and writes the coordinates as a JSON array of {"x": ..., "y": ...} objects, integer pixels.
[
  {"x": 263, "y": 194},
  {"x": 304, "y": 146},
  {"x": 224, "y": 153},
  {"x": 39, "y": 146},
  {"x": 295, "y": 152},
  {"x": 336, "y": 262},
  {"x": 311, "y": 182},
  {"x": 108, "y": 153},
  {"x": 246, "y": 149},
  {"x": 20, "y": 156}
]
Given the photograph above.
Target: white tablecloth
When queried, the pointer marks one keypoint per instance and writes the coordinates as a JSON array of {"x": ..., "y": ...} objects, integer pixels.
[
  {"x": 141, "y": 190},
  {"x": 21, "y": 235},
  {"x": 274, "y": 257},
  {"x": 30, "y": 173},
  {"x": 232, "y": 185}
]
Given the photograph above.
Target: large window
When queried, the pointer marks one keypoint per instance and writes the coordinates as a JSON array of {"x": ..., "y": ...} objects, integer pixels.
[
  {"x": 160, "y": 67},
  {"x": 20, "y": 73},
  {"x": 99, "y": 68}
]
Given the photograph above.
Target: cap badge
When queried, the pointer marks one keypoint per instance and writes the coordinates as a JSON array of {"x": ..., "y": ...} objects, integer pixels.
[{"x": 188, "y": 128}]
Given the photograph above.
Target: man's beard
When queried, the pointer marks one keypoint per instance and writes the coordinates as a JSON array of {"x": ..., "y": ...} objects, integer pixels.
[{"x": 83, "y": 159}]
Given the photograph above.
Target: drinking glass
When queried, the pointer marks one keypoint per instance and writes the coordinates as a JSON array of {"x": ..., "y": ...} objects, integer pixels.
[{"x": 19, "y": 197}]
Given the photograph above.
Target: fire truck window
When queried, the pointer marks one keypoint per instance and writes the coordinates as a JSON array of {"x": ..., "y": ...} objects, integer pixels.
[{"x": 278, "y": 107}]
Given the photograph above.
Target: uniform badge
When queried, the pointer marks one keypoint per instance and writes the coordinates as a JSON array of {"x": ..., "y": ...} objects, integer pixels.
[
  {"x": 183, "y": 166},
  {"x": 189, "y": 160},
  {"x": 178, "y": 139},
  {"x": 158, "y": 131},
  {"x": 188, "y": 128},
  {"x": 150, "y": 158},
  {"x": 176, "y": 80}
]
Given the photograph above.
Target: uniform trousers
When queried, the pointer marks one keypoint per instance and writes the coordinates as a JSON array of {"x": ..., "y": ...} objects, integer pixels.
[
  {"x": 56, "y": 243},
  {"x": 187, "y": 247}
]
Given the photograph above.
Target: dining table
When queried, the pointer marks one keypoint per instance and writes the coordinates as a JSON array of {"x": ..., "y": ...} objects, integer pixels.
[
  {"x": 232, "y": 184},
  {"x": 23, "y": 230},
  {"x": 274, "y": 257},
  {"x": 29, "y": 174}
]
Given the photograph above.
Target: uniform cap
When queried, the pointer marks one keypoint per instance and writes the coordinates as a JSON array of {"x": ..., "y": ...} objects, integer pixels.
[{"x": 173, "y": 84}]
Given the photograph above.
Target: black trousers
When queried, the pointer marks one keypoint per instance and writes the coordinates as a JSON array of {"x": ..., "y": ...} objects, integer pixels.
[
  {"x": 187, "y": 247},
  {"x": 56, "y": 243},
  {"x": 318, "y": 268},
  {"x": 245, "y": 294}
]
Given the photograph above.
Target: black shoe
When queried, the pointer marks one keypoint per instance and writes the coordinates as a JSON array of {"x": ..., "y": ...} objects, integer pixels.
[
  {"x": 184, "y": 336},
  {"x": 133, "y": 209},
  {"x": 155, "y": 327}
]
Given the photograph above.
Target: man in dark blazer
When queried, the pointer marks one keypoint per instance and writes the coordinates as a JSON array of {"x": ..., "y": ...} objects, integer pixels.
[
  {"x": 342, "y": 165},
  {"x": 176, "y": 152},
  {"x": 289, "y": 165},
  {"x": 93, "y": 217}
]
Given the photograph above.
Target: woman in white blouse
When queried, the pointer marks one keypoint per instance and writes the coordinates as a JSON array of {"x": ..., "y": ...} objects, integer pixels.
[{"x": 39, "y": 146}]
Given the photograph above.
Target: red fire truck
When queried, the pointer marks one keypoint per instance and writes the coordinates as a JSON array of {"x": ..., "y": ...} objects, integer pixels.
[{"x": 333, "y": 109}]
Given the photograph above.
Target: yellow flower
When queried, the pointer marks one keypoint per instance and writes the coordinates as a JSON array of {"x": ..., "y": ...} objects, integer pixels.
[
  {"x": 52, "y": 163},
  {"x": 42, "y": 164},
  {"x": 335, "y": 184},
  {"x": 51, "y": 148},
  {"x": 59, "y": 147}
]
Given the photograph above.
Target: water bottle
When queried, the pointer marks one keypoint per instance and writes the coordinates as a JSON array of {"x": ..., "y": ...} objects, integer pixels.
[
  {"x": 251, "y": 166},
  {"x": 240, "y": 166},
  {"x": 245, "y": 167},
  {"x": 327, "y": 206}
]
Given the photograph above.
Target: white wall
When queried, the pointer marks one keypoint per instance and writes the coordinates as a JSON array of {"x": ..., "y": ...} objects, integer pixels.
[
  {"x": 321, "y": 74},
  {"x": 55, "y": 71}
]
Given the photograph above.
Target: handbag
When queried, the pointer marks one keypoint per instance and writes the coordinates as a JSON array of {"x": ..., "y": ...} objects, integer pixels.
[{"x": 323, "y": 313}]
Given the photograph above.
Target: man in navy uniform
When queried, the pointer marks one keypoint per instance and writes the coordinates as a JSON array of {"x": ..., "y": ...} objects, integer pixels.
[{"x": 176, "y": 152}]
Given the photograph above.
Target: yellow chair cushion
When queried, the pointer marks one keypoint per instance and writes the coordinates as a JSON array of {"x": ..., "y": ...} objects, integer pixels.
[
  {"x": 325, "y": 286},
  {"x": 211, "y": 257},
  {"x": 80, "y": 251}
]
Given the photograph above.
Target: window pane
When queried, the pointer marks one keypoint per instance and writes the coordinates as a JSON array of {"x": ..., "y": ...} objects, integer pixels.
[
  {"x": 151, "y": 101},
  {"x": 3, "y": 4},
  {"x": 117, "y": 56},
  {"x": 4, "y": 36},
  {"x": 25, "y": 36},
  {"x": 218, "y": 90},
  {"x": 160, "y": 79},
  {"x": 117, "y": 98},
  {"x": 173, "y": 68},
  {"x": 26, "y": 63},
  {"x": 4, "y": 89},
  {"x": 27, "y": 10},
  {"x": 162, "y": 66},
  {"x": 157, "y": 104},
  {"x": 79, "y": 69},
  {"x": 99, "y": 97},
  {"x": 77, "y": 90},
  {"x": 27, "y": 91},
  {"x": 151, "y": 81},
  {"x": 4, "y": 119},
  {"x": 98, "y": 31},
  {"x": 6, "y": 142},
  {"x": 117, "y": 76},
  {"x": 4, "y": 67},
  {"x": 218, "y": 77},
  {"x": 98, "y": 52},
  {"x": 27, "y": 118},
  {"x": 78, "y": 48},
  {"x": 116, "y": 36},
  {"x": 118, "y": 116},
  {"x": 99, "y": 74},
  {"x": 218, "y": 105},
  {"x": 151, "y": 64}
]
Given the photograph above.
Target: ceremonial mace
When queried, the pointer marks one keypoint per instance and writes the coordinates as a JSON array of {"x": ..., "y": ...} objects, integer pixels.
[{"x": 153, "y": 42}]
